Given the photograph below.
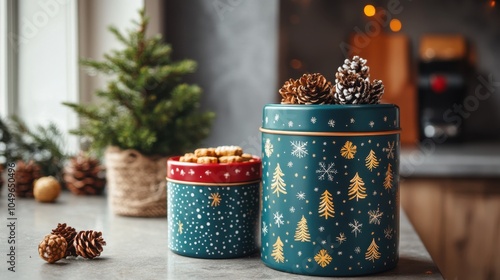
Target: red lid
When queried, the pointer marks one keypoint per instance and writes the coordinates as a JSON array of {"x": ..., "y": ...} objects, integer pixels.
[{"x": 214, "y": 172}]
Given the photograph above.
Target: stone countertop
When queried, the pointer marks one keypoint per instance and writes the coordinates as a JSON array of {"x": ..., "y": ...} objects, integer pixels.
[
  {"x": 454, "y": 160},
  {"x": 137, "y": 248}
]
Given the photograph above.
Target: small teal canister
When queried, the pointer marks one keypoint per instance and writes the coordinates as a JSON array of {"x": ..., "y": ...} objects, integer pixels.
[
  {"x": 330, "y": 198},
  {"x": 213, "y": 208}
]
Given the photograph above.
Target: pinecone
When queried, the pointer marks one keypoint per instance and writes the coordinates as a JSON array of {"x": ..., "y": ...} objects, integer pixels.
[
  {"x": 357, "y": 65},
  {"x": 69, "y": 234},
  {"x": 314, "y": 89},
  {"x": 52, "y": 248},
  {"x": 289, "y": 92},
  {"x": 26, "y": 174},
  {"x": 376, "y": 92},
  {"x": 351, "y": 89},
  {"x": 84, "y": 176},
  {"x": 88, "y": 244}
]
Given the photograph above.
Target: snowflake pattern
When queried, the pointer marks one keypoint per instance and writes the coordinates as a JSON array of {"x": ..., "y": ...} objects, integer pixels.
[
  {"x": 313, "y": 120},
  {"x": 356, "y": 227},
  {"x": 278, "y": 219},
  {"x": 292, "y": 209},
  {"x": 331, "y": 123},
  {"x": 371, "y": 124},
  {"x": 323, "y": 258},
  {"x": 301, "y": 195},
  {"x": 264, "y": 228},
  {"x": 375, "y": 216},
  {"x": 290, "y": 164},
  {"x": 326, "y": 171},
  {"x": 389, "y": 150},
  {"x": 341, "y": 238},
  {"x": 321, "y": 229},
  {"x": 299, "y": 149},
  {"x": 276, "y": 117},
  {"x": 290, "y": 124},
  {"x": 388, "y": 232},
  {"x": 268, "y": 148},
  {"x": 353, "y": 120},
  {"x": 357, "y": 250}
]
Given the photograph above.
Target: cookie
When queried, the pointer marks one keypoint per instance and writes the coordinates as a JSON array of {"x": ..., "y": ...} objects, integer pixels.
[
  {"x": 246, "y": 157},
  {"x": 207, "y": 160},
  {"x": 228, "y": 151},
  {"x": 205, "y": 152},
  {"x": 230, "y": 159},
  {"x": 189, "y": 157}
]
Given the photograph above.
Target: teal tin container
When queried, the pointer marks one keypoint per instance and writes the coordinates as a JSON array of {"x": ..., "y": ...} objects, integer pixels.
[
  {"x": 213, "y": 209},
  {"x": 330, "y": 198}
]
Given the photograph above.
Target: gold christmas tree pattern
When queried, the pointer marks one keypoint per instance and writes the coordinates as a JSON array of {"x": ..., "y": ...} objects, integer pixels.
[
  {"x": 348, "y": 150},
  {"x": 302, "y": 231},
  {"x": 278, "y": 184},
  {"x": 356, "y": 188},
  {"x": 371, "y": 161},
  {"x": 215, "y": 198},
  {"x": 277, "y": 253},
  {"x": 372, "y": 252},
  {"x": 388, "y": 177},
  {"x": 326, "y": 208},
  {"x": 323, "y": 258}
]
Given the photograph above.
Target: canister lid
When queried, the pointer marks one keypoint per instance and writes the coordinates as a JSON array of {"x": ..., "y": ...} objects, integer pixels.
[
  {"x": 331, "y": 118},
  {"x": 214, "y": 172}
]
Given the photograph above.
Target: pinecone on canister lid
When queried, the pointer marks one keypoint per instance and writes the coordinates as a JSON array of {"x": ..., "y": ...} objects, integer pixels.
[
  {"x": 88, "y": 244},
  {"x": 69, "y": 234},
  {"x": 289, "y": 92},
  {"x": 356, "y": 65},
  {"x": 314, "y": 89},
  {"x": 351, "y": 89},
  {"x": 52, "y": 248},
  {"x": 26, "y": 174},
  {"x": 376, "y": 92},
  {"x": 84, "y": 175}
]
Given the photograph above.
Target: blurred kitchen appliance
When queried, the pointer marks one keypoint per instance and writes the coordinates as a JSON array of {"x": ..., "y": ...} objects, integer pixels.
[{"x": 442, "y": 73}]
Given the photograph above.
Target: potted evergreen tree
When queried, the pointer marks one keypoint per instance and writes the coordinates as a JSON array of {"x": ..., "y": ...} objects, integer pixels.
[{"x": 147, "y": 114}]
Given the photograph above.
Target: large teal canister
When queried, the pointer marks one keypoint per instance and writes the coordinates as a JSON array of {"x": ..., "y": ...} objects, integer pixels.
[{"x": 330, "y": 197}]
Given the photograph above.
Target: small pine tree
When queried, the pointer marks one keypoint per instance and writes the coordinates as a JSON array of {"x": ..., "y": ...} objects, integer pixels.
[
  {"x": 278, "y": 184},
  {"x": 371, "y": 161},
  {"x": 42, "y": 144},
  {"x": 372, "y": 252},
  {"x": 302, "y": 231},
  {"x": 388, "y": 178},
  {"x": 277, "y": 253},
  {"x": 145, "y": 106},
  {"x": 326, "y": 205},
  {"x": 356, "y": 188}
]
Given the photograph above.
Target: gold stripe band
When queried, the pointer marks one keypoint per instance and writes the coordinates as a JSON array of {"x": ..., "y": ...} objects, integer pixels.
[
  {"x": 315, "y": 133},
  {"x": 213, "y": 184}
]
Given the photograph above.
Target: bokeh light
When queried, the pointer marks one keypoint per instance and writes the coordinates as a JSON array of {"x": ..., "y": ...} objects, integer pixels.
[
  {"x": 395, "y": 25},
  {"x": 369, "y": 10}
]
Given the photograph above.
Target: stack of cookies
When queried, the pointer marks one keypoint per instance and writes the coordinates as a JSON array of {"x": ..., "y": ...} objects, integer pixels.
[{"x": 221, "y": 154}]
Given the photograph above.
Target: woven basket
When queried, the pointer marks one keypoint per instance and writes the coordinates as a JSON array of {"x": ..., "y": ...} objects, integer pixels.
[{"x": 136, "y": 183}]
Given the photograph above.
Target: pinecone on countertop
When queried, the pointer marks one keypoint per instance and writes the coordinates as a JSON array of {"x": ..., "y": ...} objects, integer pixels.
[
  {"x": 69, "y": 234},
  {"x": 26, "y": 174},
  {"x": 88, "y": 244},
  {"x": 351, "y": 89},
  {"x": 52, "y": 248},
  {"x": 289, "y": 92},
  {"x": 376, "y": 92},
  {"x": 84, "y": 175}
]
